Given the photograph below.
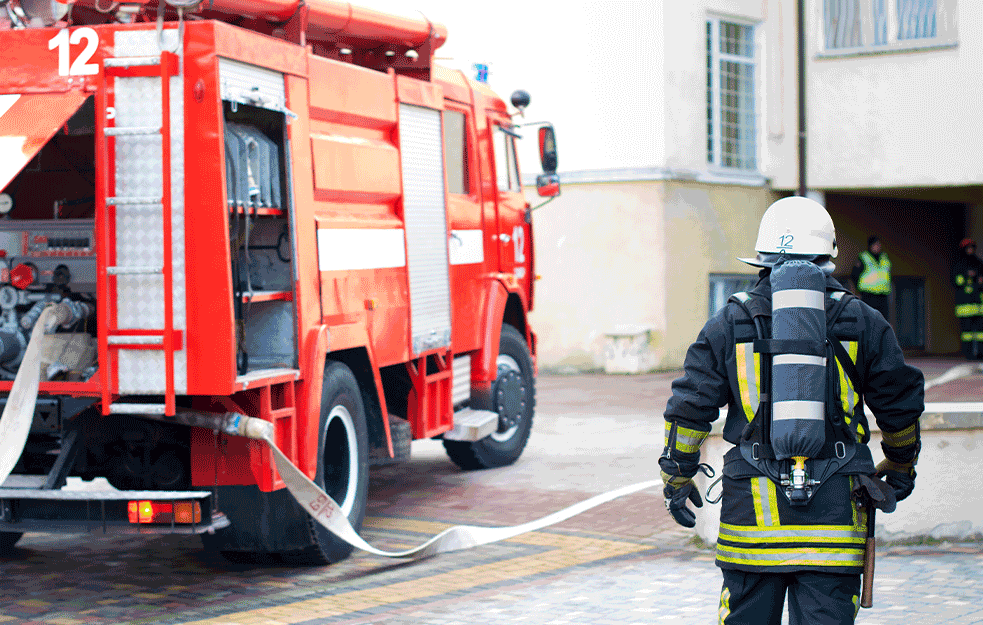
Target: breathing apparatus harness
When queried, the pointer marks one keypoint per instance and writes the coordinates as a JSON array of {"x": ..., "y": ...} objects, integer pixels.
[{"x": 799, "y": 478}]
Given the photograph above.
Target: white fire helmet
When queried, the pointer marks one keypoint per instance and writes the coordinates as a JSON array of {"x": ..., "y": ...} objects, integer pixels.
[{"x": 796, "y": 227}]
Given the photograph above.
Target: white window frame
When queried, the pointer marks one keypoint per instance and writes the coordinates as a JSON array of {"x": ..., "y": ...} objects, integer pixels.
[
  {"x": 945, "y": 30},
  {"x": 715, "y": 58}
]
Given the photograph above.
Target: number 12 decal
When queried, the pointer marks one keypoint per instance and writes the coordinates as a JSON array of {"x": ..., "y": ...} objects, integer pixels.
[
  {"x": 786, "y": 242},
  {"x": 81, "y": 66}
]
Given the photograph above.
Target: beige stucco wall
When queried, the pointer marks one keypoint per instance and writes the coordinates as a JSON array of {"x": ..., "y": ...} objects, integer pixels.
[
  {"x": 612, "y": 254},
  {"x": 600, "y": 251},
  {"x": 707, "y": 228}
]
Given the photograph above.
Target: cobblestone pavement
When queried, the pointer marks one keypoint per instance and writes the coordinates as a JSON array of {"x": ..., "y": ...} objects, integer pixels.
[{"x": 625, "y": 562}]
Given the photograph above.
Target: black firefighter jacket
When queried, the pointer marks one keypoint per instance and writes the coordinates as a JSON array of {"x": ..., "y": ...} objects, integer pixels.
[{"x": 759, "y": 530}]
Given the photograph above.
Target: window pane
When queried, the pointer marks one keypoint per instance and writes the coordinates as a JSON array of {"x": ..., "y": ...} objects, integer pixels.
[
  {"x": 456, "y": 152},
  {"x": 506, "y": 167},
  {"x": 723, "y": 286},
  {"x": 737, "y": 120},
  {"x": 843, "y": 19},
  {"x": 709, "y": 92},
  {"x": 916, "y": 19}
]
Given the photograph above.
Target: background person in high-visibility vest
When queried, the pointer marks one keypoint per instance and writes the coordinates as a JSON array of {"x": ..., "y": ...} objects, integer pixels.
[
  {"x": 872, "y": 277},
  {"x": 967, "y": 279}
]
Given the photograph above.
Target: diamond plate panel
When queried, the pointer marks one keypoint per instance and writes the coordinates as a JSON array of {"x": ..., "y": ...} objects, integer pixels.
[
  {"x": 140, "y": 227},
  {"x": 421, "y": 153}
]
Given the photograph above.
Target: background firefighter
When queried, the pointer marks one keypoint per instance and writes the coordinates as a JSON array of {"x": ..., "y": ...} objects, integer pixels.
[
  {"x": 967, "y": 279},
  {"x": 872, "y": 276},
  {"x": 766, "y": 546}
]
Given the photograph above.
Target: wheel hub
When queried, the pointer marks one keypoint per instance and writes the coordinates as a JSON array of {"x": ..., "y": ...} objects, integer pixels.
[{"x": 510, "y": 402}]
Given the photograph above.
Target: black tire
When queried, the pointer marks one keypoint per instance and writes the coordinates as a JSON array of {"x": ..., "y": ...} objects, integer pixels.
[
  {"x": 514, "y": 399},
  {"x": 342, "y": 466},
  {"x": 8, "y": 540}
]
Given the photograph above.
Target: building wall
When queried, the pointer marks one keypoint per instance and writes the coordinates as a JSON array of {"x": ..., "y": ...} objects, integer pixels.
[
  {"x": 903, "y": 118},
  {"x": 636, "y": 253}
]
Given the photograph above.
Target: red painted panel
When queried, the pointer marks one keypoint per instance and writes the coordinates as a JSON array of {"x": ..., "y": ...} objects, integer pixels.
[
  {"x": 347, "y": 167},
  {"x": 209, "y": 312},
  {"x": 352, "y": 95},
  {"x": 412, "y": 91},
  {"x": 256, "y": 49}
]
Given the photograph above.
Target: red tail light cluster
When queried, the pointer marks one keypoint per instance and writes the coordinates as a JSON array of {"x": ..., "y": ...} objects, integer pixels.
[{"x": 164, "y": 512}]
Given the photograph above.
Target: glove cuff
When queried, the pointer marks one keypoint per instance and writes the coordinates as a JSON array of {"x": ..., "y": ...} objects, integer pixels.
[
  {"x": 906, "y": 468},
  {"x": 675, "y": 481}
]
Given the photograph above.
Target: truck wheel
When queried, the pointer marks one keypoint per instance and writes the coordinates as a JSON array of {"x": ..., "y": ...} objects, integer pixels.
[
  {"x": 514, "y": 399},
  {"x": 8, "y": 540},
  {"x": 342, "y": 466}
]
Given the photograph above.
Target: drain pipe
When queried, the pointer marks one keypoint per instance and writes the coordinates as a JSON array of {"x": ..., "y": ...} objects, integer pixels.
[{"x": 801, "y": 78}]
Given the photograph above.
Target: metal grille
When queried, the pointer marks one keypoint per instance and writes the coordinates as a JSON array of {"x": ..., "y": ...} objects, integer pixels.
[
  {"x": 916, "y": 19},
  {"x": 421, "y": 153},
  {"x": 844, "y": 23},
  {"x": 462, "y": 379},
  {"x": 731, "y": 122},
  {"x": 140, "y": 227}
]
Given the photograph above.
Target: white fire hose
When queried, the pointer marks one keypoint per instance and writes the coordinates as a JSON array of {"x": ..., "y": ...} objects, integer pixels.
[{"x": 15, "y": 425}]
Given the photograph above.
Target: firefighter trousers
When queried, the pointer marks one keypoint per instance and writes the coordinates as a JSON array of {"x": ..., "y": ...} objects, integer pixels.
[{"x": 813, "y": 598}]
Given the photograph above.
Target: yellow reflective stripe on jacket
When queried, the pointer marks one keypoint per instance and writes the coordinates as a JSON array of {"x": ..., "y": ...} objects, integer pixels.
[
  {"x": 792, "y": 556},
  {"x": 967, "y": 310},
  {"x": 748, "y": 367},
  {"x": 876, "y": 276},
  {"x": 903, "y": 438},
  {"x": 688, "y": 441},
  {"x": 765, "y": 499},
  {"x": 848, "y": 395},
  {"x": 848, "y": 534}
]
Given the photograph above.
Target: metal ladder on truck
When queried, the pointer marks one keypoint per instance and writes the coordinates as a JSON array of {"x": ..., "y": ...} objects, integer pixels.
[{"x": 111, "y": 338}]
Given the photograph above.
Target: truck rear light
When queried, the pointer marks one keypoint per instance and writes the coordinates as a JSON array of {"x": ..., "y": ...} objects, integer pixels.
[{"x": 164, "y": 512}]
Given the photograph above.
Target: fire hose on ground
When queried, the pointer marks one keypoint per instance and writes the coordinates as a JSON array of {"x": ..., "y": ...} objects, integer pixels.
[{"x": 15, "y": 425}]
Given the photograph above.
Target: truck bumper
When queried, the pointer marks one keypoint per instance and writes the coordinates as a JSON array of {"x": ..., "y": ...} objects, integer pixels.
[{"x": 95, "y": 507}]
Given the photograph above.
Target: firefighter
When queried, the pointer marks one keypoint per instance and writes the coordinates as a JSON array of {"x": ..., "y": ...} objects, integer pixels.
[
  {"x": 967, "y": 278},
  {"x": 872, "y": 276},
  {"x": 767, "y": 546}
]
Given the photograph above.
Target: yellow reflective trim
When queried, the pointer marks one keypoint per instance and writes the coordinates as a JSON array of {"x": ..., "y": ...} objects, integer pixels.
[
  {"x": 773, "y": 504},
  {"x": 759, "y": 514},
  {"x": 966, "y": 337},
  {"x": 742, "y": 378},
  {"x": 960, "y": 280},
  {"x": 668, "y": 429},
  {"x": 724, "y": 610},
  {"x": 689, "y": 441},
  {"x": 794, "y": 562},
  {"x": 792, "y": 528},
  {"x": 856, "y": 605},
  {"x": 830, "y": 540},
  {"x": 903, "y": 438}
]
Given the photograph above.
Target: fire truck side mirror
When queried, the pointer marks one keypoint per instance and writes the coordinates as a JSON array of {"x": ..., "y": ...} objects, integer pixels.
[
  {"x": 548, "y": 185},
  {"x": 547, "y": 149}
]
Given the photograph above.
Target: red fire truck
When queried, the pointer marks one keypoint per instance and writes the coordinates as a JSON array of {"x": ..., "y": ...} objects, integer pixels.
[{"x": 275, "y": 208}]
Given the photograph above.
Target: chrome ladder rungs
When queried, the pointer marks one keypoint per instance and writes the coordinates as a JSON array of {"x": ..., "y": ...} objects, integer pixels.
[
  {"x": 136, "y": 409},
  {"x": 134, "y": 269},
  {"x": 135, "y": 339},
  {"x": 131, "y": 201},
  {"x": 130, "y": 131},
  {"x": 131, "y": 61}
]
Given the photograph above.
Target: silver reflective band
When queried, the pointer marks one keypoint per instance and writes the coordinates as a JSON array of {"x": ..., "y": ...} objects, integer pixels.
[
  {"x": 805, "y": 534},
  {"x": 787, "y": 555},
  {"x": 798, "y": 409},
  {"x": 798, "y": 298},
  {"x": 799, "y": 359}
]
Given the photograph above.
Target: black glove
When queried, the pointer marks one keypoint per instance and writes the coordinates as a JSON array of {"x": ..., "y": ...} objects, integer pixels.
[
  {"x": 900, "y": 477},
  {"x": 677, "y": 491}
]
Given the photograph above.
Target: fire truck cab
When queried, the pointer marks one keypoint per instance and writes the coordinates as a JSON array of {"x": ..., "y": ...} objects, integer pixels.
[{"x": 298, "y": 217}]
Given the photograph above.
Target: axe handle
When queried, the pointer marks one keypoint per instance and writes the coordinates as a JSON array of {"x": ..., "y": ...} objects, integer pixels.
[{"x": 867, "y": 594}]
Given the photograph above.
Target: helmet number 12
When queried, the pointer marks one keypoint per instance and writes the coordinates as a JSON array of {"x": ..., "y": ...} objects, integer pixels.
[
  {"x": 81, "y": 65},
  {"x": 785, "y": 242}
]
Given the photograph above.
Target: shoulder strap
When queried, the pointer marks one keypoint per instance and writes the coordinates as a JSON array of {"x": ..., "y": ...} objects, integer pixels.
[{"x": 842, "y": 299}]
